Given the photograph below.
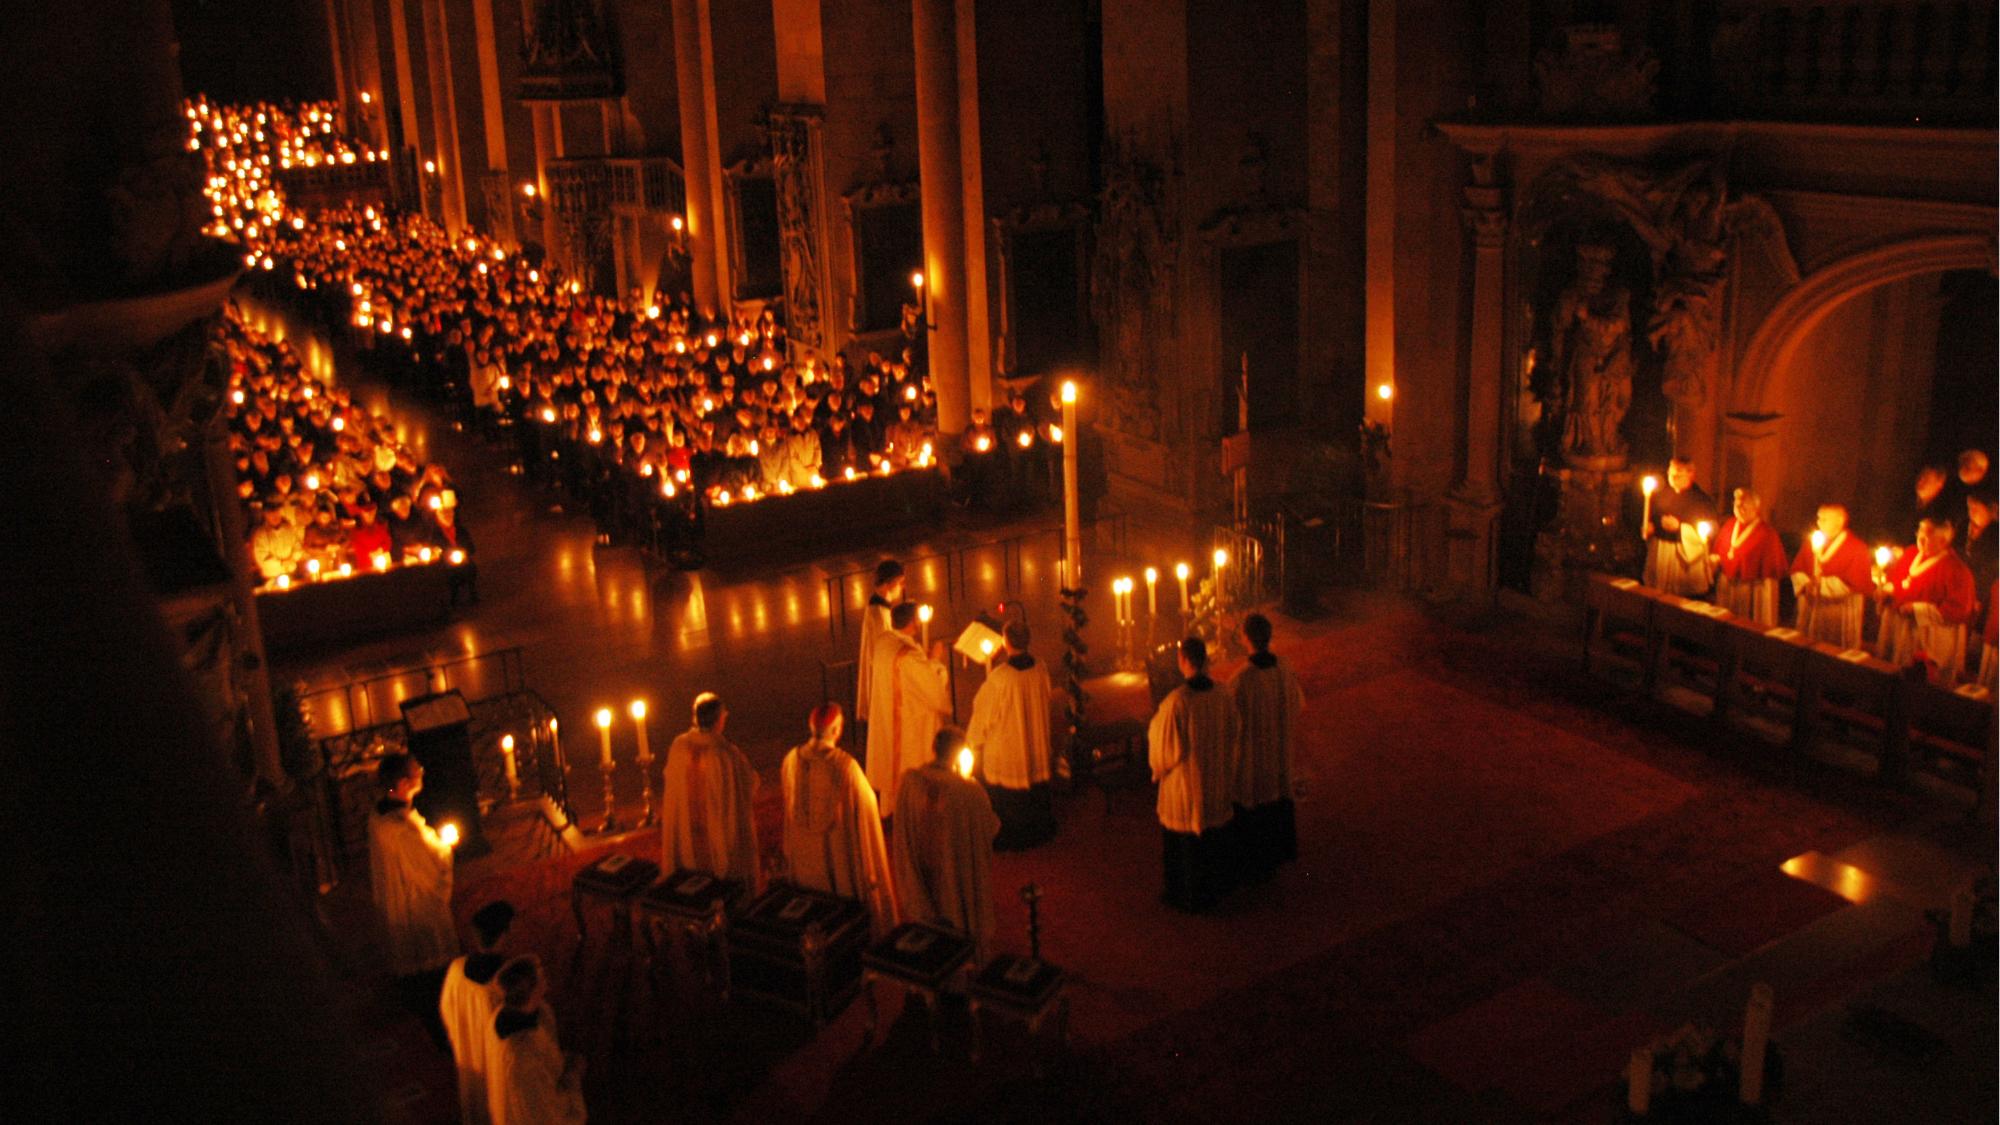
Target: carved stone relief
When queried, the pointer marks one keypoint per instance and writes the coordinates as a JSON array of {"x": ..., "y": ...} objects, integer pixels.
[{"x": 797, "y": 163}]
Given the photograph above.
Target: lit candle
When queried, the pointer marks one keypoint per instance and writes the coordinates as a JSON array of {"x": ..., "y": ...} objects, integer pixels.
[
  {"x": 604, "y": 735},
  {"x": 1648, "y": 485},
  {"x": 457, "y": 556},
  {"x": 513, "y": 766},
  {"x": 1704, "y": 529},
  {"x": 1152, "y": 591},
  {"x": 448, "y": 833},
  {"x": 1181, "y": 572},
  {"x": 1756, "y": 1036},
  {"x": 1884, "y": 556},
  {"x": 638, "y": 712},
  {"x": 924, "y": 615},
  {"x": 1818, "y": 540},
  {"x": 966, "y": 761}
]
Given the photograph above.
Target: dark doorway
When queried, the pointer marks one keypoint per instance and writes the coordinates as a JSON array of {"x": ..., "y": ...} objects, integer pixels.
[
  {"x": 1042, "y": 284},
  {"x": 1965, "y": 412},
  {"x": 892, "y": 248},
  {"x": 1260, "y": 319},
  {"x": 758, "y": 273}
]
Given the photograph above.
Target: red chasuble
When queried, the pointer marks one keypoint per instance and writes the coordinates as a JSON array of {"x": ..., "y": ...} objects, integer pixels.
[
  {"x": 1943, "y": 580},
  {"x": 1748, "y": 554},
  {"x": 1846, "y": 558}
]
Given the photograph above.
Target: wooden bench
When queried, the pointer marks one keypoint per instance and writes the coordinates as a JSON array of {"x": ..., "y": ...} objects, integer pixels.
[{"x": 1618, "y": 618}]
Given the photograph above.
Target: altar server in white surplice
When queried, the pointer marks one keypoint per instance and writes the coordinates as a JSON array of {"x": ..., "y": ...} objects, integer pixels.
[
  {"x": 912, "y": 699},
  {"x": 705, "y": 788},
  {"x": 1192, "y": 745},
  {"x": 875, "y": 622},
  {"x": 1010, "y": 735},
  {"x": 1268, "y": 702},
  {"x": 833, "y": 828},
  {"x": 944, "y": 847},
  {"x": 467, "y": 1005},
  {"x": 409, "y": 868},
  {"x": 530, "y": 1080}
]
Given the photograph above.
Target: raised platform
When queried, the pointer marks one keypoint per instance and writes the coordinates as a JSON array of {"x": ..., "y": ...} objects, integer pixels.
[
  {"x": 827, "y": 519},
  {"x": 366, "y": 605}
]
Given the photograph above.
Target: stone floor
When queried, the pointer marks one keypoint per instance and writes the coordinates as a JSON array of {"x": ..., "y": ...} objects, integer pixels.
[{"x": 1509, "y": 875}]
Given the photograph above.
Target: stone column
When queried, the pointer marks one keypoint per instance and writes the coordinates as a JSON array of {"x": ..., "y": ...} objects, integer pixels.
[
  {"x": 449, "y": 155},
  {"x": 1475, "y": 499},
  {"x": 701, "y": 156},
  {"x": 978, "y": 326},
  {"x": 941, "y": 171}
]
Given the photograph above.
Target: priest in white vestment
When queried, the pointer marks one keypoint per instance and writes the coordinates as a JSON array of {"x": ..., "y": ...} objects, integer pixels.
[
  {"x": 467, "y": 1004},
  {"x": 1010, "y": 738},
  {"x": 944, "y": 847},
  {"x": 1268, "y": 703},
  {"x": 1192, "y": 745},
  {"x": 833, "y": 829},
  {"x": 912, "y": 699},
  {"x": 705, "y": 788},
  {"x": 887, "y": 595},
  {"x": 531, "y": 1081},
  {"x": 409, "y": 869}
]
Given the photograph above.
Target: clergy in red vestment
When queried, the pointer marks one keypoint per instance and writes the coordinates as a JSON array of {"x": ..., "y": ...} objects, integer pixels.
[
  {"x": 944, "y": 847},
  {"x": 1831, "y": 576},
  {"x": 1927, "y": 600},
  {"x": 705, "y": 787},
  {"x": 1677, "y": 558},
  {"x": 1749, "y": 559}
]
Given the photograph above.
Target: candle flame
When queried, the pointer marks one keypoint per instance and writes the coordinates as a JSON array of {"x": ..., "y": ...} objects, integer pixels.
[
  {"x": 1152, "y": 575},
  {"x": 1649, "y": 484},
  {"x": 1181, "y": 571},
  {"x": 603, "y": 718},
  {"x": 1026, "y": 439},
  {"x": 507, "y": 743},
  {"x": 924, "y": 613},
  {"x": 1221, "y": 558},
  {"x": 1068, "y": 391},
  {"x": 1818, "y": 540},
  {"x": 449, "y": 834},
  {"x": 457, "y": 557},
  {"x": 638, "y": 709},
  {"x": 1884, "y": 556},
  {"x": 1704, "y": 529},
  {"x": 965, "y": 762}
]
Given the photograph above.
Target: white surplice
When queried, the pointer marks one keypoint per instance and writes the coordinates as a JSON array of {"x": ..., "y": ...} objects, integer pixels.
[
  {"x": 912, "y": 700},
  {"x": 467, "y": 1008},
  {"x": 526, "y": 1083},
  {"x": 410, "y": 871},
  {"x": 874, "y": 623},
  {"x": 1268, "y": 702},
  {"x": 1011, "y": 723},
  {"x": 1192, "y": 745}
]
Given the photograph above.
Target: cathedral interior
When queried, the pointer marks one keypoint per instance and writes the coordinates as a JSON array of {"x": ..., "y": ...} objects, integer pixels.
[{"x": 1393, "y": 317}]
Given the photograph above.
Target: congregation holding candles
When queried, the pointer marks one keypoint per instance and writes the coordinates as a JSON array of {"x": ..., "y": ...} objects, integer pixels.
[{"x": 1931, "y": 596}]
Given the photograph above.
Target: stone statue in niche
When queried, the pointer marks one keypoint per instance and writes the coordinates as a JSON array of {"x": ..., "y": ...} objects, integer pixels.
[
  {"x": 1692, "y": 227},
  {"x": 1590, "y": 335}
]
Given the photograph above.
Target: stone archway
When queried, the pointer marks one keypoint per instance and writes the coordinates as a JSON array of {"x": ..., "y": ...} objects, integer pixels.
[
  {"x": 1761, "y": 427},
  {"x": 1806, "y": 304}
]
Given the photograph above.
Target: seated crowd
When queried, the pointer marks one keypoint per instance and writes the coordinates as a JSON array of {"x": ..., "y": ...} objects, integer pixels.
[
  {"x": 329, "y": 488},
  {"x": 1932, "y": 598}
]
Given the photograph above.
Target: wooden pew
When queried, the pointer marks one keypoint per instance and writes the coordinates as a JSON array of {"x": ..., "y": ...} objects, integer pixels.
[
  {"x": 1859, "y": 689},
  {"x": 1768, "y": 660},
  {"x": 1618, "y": 613},
  {"x": 1692, "y": 636},
  {"x": 1954, "y": 726}
]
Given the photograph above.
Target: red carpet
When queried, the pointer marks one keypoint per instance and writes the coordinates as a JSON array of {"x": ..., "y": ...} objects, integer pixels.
[{"x": 1472, "y": 819}]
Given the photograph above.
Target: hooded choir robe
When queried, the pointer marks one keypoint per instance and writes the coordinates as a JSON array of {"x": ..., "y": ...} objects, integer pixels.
[
  {"x": 467, "y": 1004},
  {"x": 527, "y": 1081},
  {"x": 1930, "y": 601},
  {"x": 833, "y": 830},
  {"x": 944, "y": 846},
  {"x": 911, "y": 701},
  {"x": 1678, "y": 561},
  {"x": 1831, "y": 585},
  {"x": 1192, "y": 746},
  {"x": 1268, "y": 702},
  {"x": 874, "y": 623},
  {"x": 705, "y": 820},
  {"x": 1749, "y": 560},
  {"x": 410, "y": 870}
]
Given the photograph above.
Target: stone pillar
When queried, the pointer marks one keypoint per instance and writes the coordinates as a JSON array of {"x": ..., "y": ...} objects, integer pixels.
[
  {"x": 448, "y": 154},
  {"x": 940, "y": 166},
  {"x": 701, "y": 156},
  {"x": 1379, "y": 246},
  {"x": 1475, "y": 499},
  {"x": 978, "y": 329},
  {"x": 548, "y": 146}
]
